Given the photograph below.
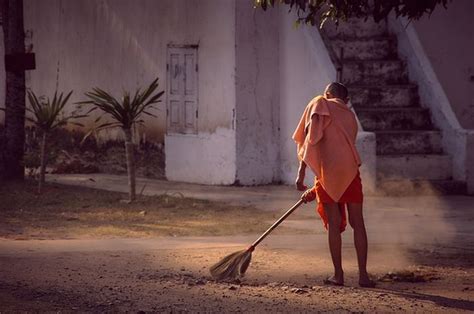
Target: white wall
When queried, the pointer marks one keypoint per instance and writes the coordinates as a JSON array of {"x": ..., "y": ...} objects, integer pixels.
[
  {"x": 257, "y": 94},
  {"x": 210, "y": 156},
  {"x": 206, "y": 158},
  {"x": 305, "y": 70},
  {"x": 83, "y": 44},
  {"x": 121, "y": 44}
]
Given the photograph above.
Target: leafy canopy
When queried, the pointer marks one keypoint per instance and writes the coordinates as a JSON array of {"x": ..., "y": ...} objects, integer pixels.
[{"x": 318, "y": 11}]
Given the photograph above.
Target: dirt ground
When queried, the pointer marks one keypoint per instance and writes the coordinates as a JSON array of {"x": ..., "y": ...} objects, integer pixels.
[
  {"x": 167, "y": 273},
  {"x": 69, "y": 212},
  {"x": 177, "y": 280}
]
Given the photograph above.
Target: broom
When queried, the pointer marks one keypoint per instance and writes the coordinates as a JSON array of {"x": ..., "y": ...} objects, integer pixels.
[{"x": 234, "y": 265}]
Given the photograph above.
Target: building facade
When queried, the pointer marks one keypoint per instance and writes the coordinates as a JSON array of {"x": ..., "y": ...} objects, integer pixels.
[{"x": 237, "y": 79}]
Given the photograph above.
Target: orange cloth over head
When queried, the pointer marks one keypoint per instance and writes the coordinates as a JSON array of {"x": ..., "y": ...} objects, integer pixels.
[{"x": 325, "y": 138}]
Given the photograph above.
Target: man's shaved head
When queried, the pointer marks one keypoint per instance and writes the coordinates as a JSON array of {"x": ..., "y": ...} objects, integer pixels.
[{"x": 337, "y": 90}]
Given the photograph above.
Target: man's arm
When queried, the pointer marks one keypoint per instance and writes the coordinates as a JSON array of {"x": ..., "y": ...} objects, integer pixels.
[
  {"x": 301, "y": 172},
  {"x": 300, "y": 178}
]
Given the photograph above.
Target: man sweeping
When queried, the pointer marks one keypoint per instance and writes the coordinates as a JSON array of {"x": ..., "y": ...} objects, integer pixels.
[{"x": 325, "y": 138}]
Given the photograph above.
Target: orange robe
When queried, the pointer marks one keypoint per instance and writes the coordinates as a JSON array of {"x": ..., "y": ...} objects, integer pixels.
[{"x": 325, "y": 137}]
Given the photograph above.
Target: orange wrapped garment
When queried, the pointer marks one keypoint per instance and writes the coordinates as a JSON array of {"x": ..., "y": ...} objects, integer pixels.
[
  {"x": 325, "y": 138},
  {"x": 353, "y": 194}
]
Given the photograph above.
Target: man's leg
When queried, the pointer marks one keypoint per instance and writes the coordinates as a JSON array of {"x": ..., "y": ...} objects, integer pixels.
[
  {"x": 334, "y": 236},
  {"x": 356, "y": 220}
]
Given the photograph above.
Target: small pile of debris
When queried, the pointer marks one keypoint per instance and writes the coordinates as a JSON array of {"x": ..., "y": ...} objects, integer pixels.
[{"x": 407, "y": 276}]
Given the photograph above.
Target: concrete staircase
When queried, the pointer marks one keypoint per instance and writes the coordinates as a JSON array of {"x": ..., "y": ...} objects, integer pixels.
[{"x": 410, "y": 158}]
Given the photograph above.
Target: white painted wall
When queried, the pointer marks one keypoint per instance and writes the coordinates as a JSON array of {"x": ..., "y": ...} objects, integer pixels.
[
  {"x": 206, "y": 158},
  {"x": 121, "y": 44},
  {"x": 305, "y": 71},
  {"x": 210, "y": 156},
  {"x": 257, "y": 94},
  {"x": 83, "y": 44},
  {"x": 366, "y": 146}
]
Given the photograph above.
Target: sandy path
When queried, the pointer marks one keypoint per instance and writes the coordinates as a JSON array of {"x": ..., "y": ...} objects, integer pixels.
[
  {"x": 169, "y": 275},
  {"x": 429, "y": 236}
]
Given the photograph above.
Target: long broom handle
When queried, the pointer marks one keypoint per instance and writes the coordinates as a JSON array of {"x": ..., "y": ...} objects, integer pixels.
[{"x": 279, "y": 221}]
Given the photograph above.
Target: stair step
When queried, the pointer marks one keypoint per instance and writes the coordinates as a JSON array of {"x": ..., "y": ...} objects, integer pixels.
[
  {"x": 383, "y": 96},
  {"x": 409, "y": 149},
  {"x": 408, "y": 142},
  {"x": 409, "y": 167},
  {"x": 420, "y": 187},
  {"x": 374, "y": 72},
  {"x": 373, "y": 119},
  {"x": 381, "y": 48},
  {"x": 355, "y": 28}
]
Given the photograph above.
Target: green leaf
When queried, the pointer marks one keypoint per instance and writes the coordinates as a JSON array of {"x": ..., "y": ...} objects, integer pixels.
[
  {"x": 316, "y": 12},
  {"x": 48, "y": 114},
  {"x": 126, "y": 112}
]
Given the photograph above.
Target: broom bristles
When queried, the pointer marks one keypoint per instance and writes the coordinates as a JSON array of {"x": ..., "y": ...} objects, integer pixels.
[{"x": 232, "y": 266}]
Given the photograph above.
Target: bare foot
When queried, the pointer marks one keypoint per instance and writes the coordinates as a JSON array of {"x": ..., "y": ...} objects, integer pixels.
[
  {"x": 333, "y": 281},
  {"x": 366, "y": 282}
]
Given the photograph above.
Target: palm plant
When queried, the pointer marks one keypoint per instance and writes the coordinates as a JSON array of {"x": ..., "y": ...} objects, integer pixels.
[
  {"x": 47, "y": 115},
  {"x": 124, "y": 114}
]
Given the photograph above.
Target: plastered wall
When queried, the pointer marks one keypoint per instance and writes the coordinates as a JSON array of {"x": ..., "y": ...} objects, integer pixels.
[
  {"x": 208, "y": 157},
  {"x": 257, "y": 72},
  {"x": 257, "y": 94},
  {"x": 121, "y": 45},
  {"x": 305, "y": 70}
]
